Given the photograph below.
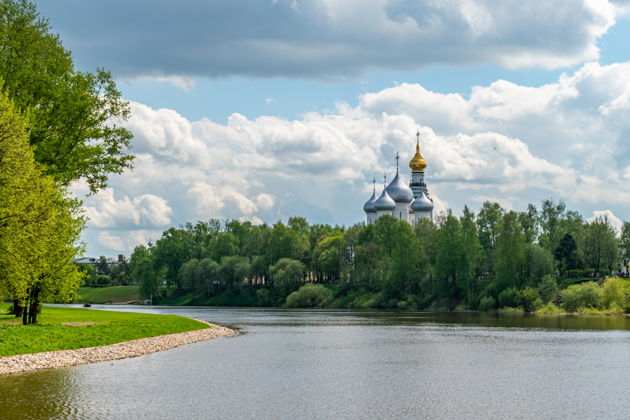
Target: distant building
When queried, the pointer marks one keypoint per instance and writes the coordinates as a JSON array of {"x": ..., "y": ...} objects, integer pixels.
[{"x": 410, "y": 203}]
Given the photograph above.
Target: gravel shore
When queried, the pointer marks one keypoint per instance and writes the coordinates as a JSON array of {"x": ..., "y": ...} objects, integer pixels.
[{"x": 62, "y": 358}]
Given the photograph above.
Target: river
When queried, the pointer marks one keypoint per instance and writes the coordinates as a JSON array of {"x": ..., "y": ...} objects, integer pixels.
[{"x": 350, "y": 365}]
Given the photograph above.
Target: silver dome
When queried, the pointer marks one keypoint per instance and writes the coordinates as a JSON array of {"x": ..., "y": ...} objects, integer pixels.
[
  {"x": 368, "y": 207},
  {"x": 399, "y": 191},
  {"x": 384, "y": 202},
  {"x": 422, "y": 203}
]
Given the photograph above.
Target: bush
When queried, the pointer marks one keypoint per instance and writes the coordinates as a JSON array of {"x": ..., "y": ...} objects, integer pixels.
[
  {"x": 487, "y": 303},
  {"x": 103, "y": 280},
  {"x": 581, "y": 296},
  {"x": 309, "y": 296},
  {"x": 614, "y": 294},
  {"x": 548, "y": 308},
  {"x": 528, "y": 299},
  {"x": 507, "y": 297},
  {"x": 548, "y": 288}
]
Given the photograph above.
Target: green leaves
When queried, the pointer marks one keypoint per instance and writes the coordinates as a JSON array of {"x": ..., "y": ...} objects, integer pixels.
[
  {"x": 39, "y": 224},
  {"x": 74, "y": 117}
]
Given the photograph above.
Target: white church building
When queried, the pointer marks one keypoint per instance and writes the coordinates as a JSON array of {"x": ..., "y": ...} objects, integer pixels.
[{"x": 404, "y": 202}]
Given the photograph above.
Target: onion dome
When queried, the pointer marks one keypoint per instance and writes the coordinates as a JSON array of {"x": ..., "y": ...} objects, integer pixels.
[
  {"x": 368, "y": 207},
  {"x": 399, "y": 191},
  {"x": 422, "y": 203},
  {"x": 417, "y": 162},
  {"x": 384, "y": 202}
]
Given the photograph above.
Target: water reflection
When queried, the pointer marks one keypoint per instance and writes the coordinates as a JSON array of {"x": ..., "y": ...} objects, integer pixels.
[{"x": 345, "y": 364}]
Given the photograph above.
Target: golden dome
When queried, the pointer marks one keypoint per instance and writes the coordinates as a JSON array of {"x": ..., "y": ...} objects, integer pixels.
[{"x": 417, "y": 162}]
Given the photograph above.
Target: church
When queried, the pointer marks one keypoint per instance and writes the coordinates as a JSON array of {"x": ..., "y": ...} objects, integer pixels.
[{"x": 410, "y": 203}]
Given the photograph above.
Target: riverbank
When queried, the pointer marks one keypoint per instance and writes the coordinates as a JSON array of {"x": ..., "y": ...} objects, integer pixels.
[{"x": 64, "y": 358}]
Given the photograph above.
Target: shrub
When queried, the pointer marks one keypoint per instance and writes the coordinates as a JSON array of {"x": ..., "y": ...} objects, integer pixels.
[
  {"x": 548, "y": 288},
  {"x": 614, "y": 293},
  {"x": 103, "y": 280},
  {"x": 309, "y": 296},
  {"x": 584, "y": 295},
  {"x": 507, "y": 297},
  {"x": 528, "y": 299},
  {"x": 487, "y": 303},
  {"x": 549, "y": 308}
]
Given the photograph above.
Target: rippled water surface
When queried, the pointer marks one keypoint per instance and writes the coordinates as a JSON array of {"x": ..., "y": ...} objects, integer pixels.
[{"x": 351, "y": 365}]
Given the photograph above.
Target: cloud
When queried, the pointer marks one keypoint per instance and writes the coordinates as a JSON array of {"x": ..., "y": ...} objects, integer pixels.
[
  {"x": 105, "y": 211},
  {"x": 504, "y": 142},
  {"x": 615, "y": 222},
  {"x": 319, "y": 39},
  {"x": 184, "y": 83}
]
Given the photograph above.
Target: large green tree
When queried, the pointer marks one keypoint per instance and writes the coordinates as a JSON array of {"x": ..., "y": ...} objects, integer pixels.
[
  {"x": 39, "y": 224},
  {"x": 75, "y": 117}
]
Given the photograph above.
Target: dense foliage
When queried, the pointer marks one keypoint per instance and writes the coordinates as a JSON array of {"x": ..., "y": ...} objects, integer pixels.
[
  {"x": 39, "y": 224},
  {"x": 494, "y": 258},
  {"x": 73, "y": 116},
  {"x": 57, "y": 125}
]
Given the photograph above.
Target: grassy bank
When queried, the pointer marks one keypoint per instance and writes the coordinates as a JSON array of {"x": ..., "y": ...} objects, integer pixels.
[
  {"x": 108, "y": 294},
  {"x": 69, "y": 328}
]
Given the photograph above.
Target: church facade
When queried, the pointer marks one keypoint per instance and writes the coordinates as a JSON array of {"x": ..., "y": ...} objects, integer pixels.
[{"x": 409, "y": 202}]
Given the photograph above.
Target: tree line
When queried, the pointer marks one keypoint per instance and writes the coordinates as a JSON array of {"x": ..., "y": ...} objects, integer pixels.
[{"x": 482, "y": 260}]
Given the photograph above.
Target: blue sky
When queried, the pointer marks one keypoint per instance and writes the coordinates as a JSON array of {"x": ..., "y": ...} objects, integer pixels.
[{"x": 260, "y": 110}]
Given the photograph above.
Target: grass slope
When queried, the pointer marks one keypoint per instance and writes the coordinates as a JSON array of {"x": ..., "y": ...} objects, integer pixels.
[
  {"x": 108, "y": 294},
  {"x": 109, "y": 327}
]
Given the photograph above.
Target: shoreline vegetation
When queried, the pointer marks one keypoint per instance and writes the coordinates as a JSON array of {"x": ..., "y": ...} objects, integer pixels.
[
  {"x": 74, "y": 336},
  {"x": 488, "y": 260}
]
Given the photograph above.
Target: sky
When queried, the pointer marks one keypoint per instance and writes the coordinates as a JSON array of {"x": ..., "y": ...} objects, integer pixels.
[{"x": 261, "y": 110}]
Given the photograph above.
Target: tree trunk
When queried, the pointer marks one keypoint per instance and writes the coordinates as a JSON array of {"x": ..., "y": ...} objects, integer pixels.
[
  {"x": 18, "y": 309},
  {"x": 25, "y": 315}
]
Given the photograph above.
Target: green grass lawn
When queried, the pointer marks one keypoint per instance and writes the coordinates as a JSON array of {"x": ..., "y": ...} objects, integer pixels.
[
  {"x": 104, "y": 327},
  {"x": 108, "y": 294}
]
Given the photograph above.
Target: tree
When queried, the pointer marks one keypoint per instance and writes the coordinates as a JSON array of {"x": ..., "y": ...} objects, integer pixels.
[
  {"x": 234, "y": 270},
  {"x": 624, "y": 243},
  {"x": 329, "y": 254},
  {"x": 39, "y": 224},
  {"x": 143, "y": 272},
  {"x": 189, "y": 276},
  {"x": 529, "y": 299},
  {"x": 74, "y": 116},
  {"x": 407, "y": 264},
  {"x": 566, "y": 253},
  {"x": 488, "y": 220},
  {"x": 472, "y": 253},
  {"x": 538, "y": 263},
  {"x": 548, "y": 288},
  {"x": 208, "y": 273},
  {"x": 287, "y": 275},
  {"x": 510, "y": 253},
  {"x": 171, "y": 251},
  {"x": 600, "y": 244},
  {"x": 529, "y": 221},
  {"x": 450, "y": 265},
  {"x": 102, "y": 265},
  {"x": 551, "y": 215}
]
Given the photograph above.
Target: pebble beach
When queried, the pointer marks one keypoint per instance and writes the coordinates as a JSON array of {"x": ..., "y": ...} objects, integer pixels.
[{"x": 63, "y": 358}]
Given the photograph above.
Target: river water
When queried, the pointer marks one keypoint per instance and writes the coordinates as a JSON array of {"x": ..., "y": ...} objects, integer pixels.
[{"x": 350, "y": 365}]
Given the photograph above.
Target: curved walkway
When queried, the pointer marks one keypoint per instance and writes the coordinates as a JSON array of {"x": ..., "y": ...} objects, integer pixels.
[{"x": 62, "y": 358}]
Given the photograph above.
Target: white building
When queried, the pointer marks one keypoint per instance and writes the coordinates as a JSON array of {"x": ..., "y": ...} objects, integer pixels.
[{"x": 404, "y": 202}]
